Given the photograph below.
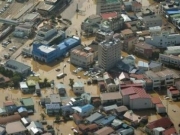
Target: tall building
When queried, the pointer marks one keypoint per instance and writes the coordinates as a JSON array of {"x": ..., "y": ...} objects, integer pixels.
[
  {"x": 104, "y": 6},
  {"x": 108, "y": 53}
]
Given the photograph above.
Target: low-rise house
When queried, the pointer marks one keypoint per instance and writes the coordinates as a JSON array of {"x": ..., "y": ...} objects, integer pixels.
[
  {"x": 25, "y": 121},
  {"x": 93, "y": 117},
  {"x": 156, "y": 80},
  {"x": 53, "y": 109},
  {"x": 155, "y": 101},
  {"x": 110, "y": 85},
  {"x": 78, "y": 88},
  {"x": 129, "y": 131},
  {"x": 104, "y": 131},
  {"x": 24, "y": 88},
  {"x": 44, "y": 101},
  {"x": 105, "y": 121},
  {"x": 3, "y": 112},
  {"x": 88, "y": 128},
  {"x": 109, "y": 108},
  {"x": 85, "y": 110},
  {"x": 28, "y": 103},
  {"x": 23, "y": 112},
  {"x": 18, "y": 67},
  {"x": 15, "y": 128},
  {"x": 136, "y": 98},
  {"x": 10, "y": 107},
  {"x": 87, "y": 97},
  {"x": 67, "y": 110},
  {"x": 136, "y": 6},
  {"x": 35, "y": 127},
  {"x": 111, "y": 98},
  {"x": 173, "y": 93},
  {"x": 155, "y": 66},
  {"x": 55, "y": 99},
  {"x": 77, "y": 101},
  {"x": 143, "y": 65},
  {"x": 160, "y": 108},
  {"x": 31, "y": 85},
  {"x": 126, "y": 34},
  {"x": 8, "y": 119},
  {"x": 116, "y": 123},
  {"x": 169, "y": 60},
  {"x": 2, "y": 130},
  {"x": 61, "y": 89},
  {"x": 128, "y": 44},
  {"x": 77, "y": 118},
  {"x": 162, "y": 122},
  {"x": 121, "y": 110}
]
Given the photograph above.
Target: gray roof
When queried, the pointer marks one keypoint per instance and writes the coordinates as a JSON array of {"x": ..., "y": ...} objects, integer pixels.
[
  {"x": 94, "y": 117},
  {"x": 53, "y": 106},
  {"x": 16, "y": 66},
  {"x": 154, "y": 64},
  {"x": 152, "y": 18},
  {"x": 60, "y": 86}
]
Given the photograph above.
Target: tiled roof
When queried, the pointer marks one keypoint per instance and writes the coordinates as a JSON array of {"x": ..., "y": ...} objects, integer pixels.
[
  {"x": 156, "y": 100},
  {"x": 128, "y": 91},
  {"x": 163, "y": 122},
  {"x": 170, "y": 131},
  {"x": 109, "y": 15}
]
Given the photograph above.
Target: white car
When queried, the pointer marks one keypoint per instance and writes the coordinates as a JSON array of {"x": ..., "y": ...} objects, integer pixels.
[{"x": 86, "y": 73}]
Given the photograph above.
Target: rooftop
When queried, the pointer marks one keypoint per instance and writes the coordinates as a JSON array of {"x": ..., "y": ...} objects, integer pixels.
[
  {"x": 143, "y": 45},
  {"x": 152, "y": 75},
  {"x": 95, "y": 116},
  {"x": 112, "y": 1},
  {"x": 111, "y": 96},
  {"x": 11, "y": 118},
  {"x": 15, "y": 127},
  {"x": 52, "y": 106},
  {"x": 104, "y": 131},
  {"x": 55, "y": 98},
  {"x": 27, "y": 102},
  {"x": 126, "y": 31},
  {"x": 108, "y": 15},
  {"x": 156, "y": 100},
  {"x": 46, "y": 49}
]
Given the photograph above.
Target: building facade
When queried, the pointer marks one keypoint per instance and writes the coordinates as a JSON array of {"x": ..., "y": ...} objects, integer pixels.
[
  {"x": 152, "y": 21},
  {"x": 102, "y": 35},
  {"x": 108, "y": 53},
  {"x": 170, "y": 60}
]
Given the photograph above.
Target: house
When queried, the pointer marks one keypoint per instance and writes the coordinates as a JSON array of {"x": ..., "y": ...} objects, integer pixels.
[
  {"x": 67, "y": 110},
  {"x": 23, "y": 112},
  {"x": 24, "y": 88},
  {"x": 111, "y": 98},
  {"x": 129, "y": 131},
  {"x": 136, "y": 6},
  {"x": 127, "y": 6},
  {"x": 155, "y": 101},
  {"x": 37, "y": 89},
  {"x": 136, "y": 98},
  {"x": 121, "y": 110},
  {"x": 132, "y": 117},
  {"x": 173, "y": 93},
  {"x": 52, "y": 109},
  {"x": 35, "y": 127},
  {"x": 25, "y": 121},
  {"x": 93, "y": 117},
  {"x": 105, "y": 121},
  {"x": 143, "y": 65},
  {"x": 126, "y": 34},
  {"x": 104, "y": 131},
  {"x": 15, "y": 128},
  {"x": 160, "y": 108},
  {"x": 78, "y": 88},
  {"x": 109, "y": 82},
  {"x": 61, "y": 89},
  {"x": 28, "y": 103},
  {"x": 152, "y": 21},
  {"x": 124, "y": 77},
  {"x": 128, "y": 44},
  {"x": 109, "y": 108},
  {"x": 155, "y": 79},
  {"x": 18, "y": 67},
  {"x": 116, "y": 123},
  {"x": 87, "y": 97},
  {"x": 44, "y": 101},
  {"x": 77, "y": 101},
  {"x": 162, "y": 122},
  {"x": 8, "y": 119},
  {"x": 55, "y": 99},
  {"x": 77, "y": 118},
  {"x": 85, "y": 110},
  {"x": 155, "y": 66},
  {"x": 31, "y": 85},
  {"x": 10, "y": 107},
  {"x": 88, "y": 128},
  {"x": 169, "y": 131}
]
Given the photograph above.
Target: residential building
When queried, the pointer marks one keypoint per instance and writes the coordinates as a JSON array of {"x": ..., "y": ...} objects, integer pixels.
[
  {"x": 104, "y": 131},
  {"x": 129, "y": 44},
  {"x": 52, "y": 109},
  {"x": 155, "y": 79},
  {"x": 109, "y": 82},
  {"x": 8, "y": 119},
  {"x": 105, "y": 121},
  {"x": 28, "y": 103},
  {"x": 10, "y": 107},
  {"x": 112, "y": 21},
  {"x": 15, "y": 128},
  {"x": 77, "y": 118},
  {"x": 18, "y": 67},
  {"x": 173, "y": 93},
  {"x": 124, "y": 77},
  {"x": 78, "y": 88},
  {"x": 155, "y": 66},
  {"x": 108, "y": 53},
  {"x": 61, "y": 89},
  {"x": 23, "y": 112},
  {"x": 109, "y": 108},
  {"x": 104, "y": 6},
  {"x": 116, "y": 124},
  {"x": 120, "y": 110},
  {"x": 102, "y": 35},
  {"x": 126, "y": 34},
  {"x": 169, "y": 131},
  {"x": 93, "y": 117},
  {"x": 160, "y": 108},
  {"x": 33, "y": 17},
  {"x": 143, "y": 65},
  {"x": 83, "y": 57},
  {"x": 35, "y": 127},
  {"x": 90, "y": 21},
  {"x": 88, "y": 128},
  {"x": 44, "y": 101},
  {"x": 152, "y": 20},
  {"x": 55, "y": 99},
  {"x": 162, "y": 122},
  {"x": 87, "y": 97},
  {"x": 136, "y": 6},
  {"x": 163, "y": 40},
  {"x": 136, "y": 98},
  {"x": 111, "y": 98},
  {"x": 48, "y": 54},
  {"x": 85, "y": 110},
  {"x": 170, "y": 60}
]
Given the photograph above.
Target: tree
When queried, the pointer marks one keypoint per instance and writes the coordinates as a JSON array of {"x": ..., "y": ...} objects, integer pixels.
[
  {"x": 43, "y": 116},
  {"x": 57, "y": 118},
  {"x": 71, "y": 82},
  {"x": 16, "y": 79},
  {"x": 45, "y": 81}
]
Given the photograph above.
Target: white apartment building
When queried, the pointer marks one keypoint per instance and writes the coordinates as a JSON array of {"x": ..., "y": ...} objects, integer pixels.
[
  {"x": 155, "y": 79},
  {"x": 108, "y": 53},
  {"x": 83, "y": 58},
  {"x": 104, "y": 6},
  {"x": 163, "y": 40}
]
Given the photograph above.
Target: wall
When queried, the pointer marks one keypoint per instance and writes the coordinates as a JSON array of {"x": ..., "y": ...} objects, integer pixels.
[{"x": 140, "y": 103}]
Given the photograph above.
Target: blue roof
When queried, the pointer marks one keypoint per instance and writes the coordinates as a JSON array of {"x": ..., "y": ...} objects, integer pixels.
[
  {"x": 173, "y": 12},
  {"x": 67, "y": 42},
  {"x": 22, "y": 109},
  {"x": 87, "y": 108},
  {"x": 105, "y": 121}
]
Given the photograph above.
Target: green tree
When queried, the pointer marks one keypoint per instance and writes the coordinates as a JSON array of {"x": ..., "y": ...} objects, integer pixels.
[
  {"x": 71, "y": 82},
  {"x": 45, "y": 81},
  {"x": 57, "y": 118},
  {"x": 43, "y": 116},
  {"x": 16, "y": 79}
]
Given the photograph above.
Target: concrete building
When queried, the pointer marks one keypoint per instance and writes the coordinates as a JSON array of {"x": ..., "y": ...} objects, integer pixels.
[
  {"x": 111, "y": 98},
  {"x": 155, "y": 79},
  {"x": 104, "y": 6},
  {"x": 15, "y": 128},
  {"x": 102, "y": 35},
  {"x": 136, "y": 6},
  {"x": 126, "y": 34},
  {"x": 112, "y": 21},
  {"x": 152, "y": 20},
  {"x": 18, "y": 67},
  {"x": 173, "y": 93},
  {"x": 155, "y": 66},
  {"x": 49, "y": 54},
  {"x": 83, "y": 57},
  {"x": 163, "y": 40},
  {"x": 129, "y": 43},
  {"x": 170, "y": 60},
  {"x": 78, "y": 88},
  {"x": 108, "y": 53}
]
